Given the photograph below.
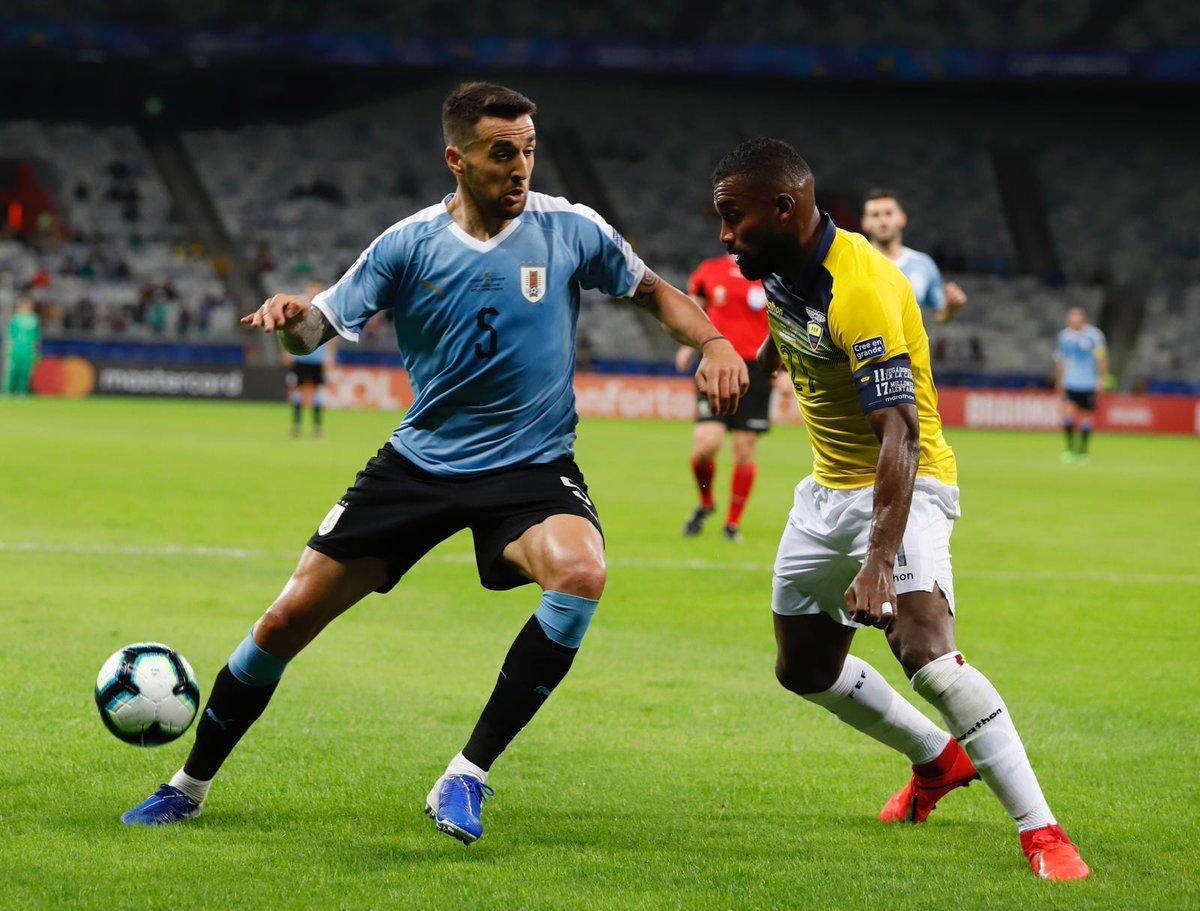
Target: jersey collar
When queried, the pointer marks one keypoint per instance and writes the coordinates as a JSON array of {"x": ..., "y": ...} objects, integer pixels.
[
  {"x": 480, "y": 246},
  {"x": 808, "y": 271}
]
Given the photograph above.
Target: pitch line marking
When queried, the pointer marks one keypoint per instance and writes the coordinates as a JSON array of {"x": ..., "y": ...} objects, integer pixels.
[{"x": 241, "y": 553}]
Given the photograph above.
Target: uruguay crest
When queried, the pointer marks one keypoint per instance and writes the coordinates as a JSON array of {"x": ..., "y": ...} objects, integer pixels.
[
  {"x": 815, "y": 332},
  {"x": 533, "y": 283}
]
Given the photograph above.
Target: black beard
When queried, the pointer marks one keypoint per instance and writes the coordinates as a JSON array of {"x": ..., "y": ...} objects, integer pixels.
[{"x": 752, "y": 269}]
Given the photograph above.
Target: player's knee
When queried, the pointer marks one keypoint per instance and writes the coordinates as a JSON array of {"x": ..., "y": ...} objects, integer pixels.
[
  {"x": 581, "y": 575},
  {"x": 804, "y": 678},
  {"x": 915, "y": 655},
  {"x": 289, "y": 624},
  {"x": 281, "y": 631}
]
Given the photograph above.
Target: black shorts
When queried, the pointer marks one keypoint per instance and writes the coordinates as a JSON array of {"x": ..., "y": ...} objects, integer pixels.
[
  {"x": 302, "y": 374},
  {"x": 754, "y": 410},
  {"x": 1084, "y": 400},
  {"x": 398, "y": 512}
]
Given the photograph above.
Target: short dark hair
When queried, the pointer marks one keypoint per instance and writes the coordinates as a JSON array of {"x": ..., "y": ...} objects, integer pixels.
[
  {"x": 882, "y": 193},
  {"x": 763, "y": 158},
  {"x": 472, "y": 101}
]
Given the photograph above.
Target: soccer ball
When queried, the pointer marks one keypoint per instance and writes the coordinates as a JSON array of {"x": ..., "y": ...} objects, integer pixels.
[{"x": 147, "y": 694}]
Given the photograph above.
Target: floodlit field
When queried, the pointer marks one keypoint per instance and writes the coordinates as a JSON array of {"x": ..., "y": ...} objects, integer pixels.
[{"x": 669, "y": 770}]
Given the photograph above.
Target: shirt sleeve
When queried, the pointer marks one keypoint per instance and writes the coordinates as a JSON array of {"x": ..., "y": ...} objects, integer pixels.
[
  {"x": 1101, "y": 344},
  {"x": 607, "y": 262},
  {"x": 935, "y": 293},
  {"x": 1060, "y": 353},
  {"x": 367, "y": 287},
  {"x": 867, "y": 327},
  {"x": 695, "y": 285}
]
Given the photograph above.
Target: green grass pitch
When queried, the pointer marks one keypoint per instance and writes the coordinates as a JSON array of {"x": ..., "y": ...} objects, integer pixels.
[{"x": 669, "y": 770}]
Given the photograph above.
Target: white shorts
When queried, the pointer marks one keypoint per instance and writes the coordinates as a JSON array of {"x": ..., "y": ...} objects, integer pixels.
[{"x": 825, "y": 542}]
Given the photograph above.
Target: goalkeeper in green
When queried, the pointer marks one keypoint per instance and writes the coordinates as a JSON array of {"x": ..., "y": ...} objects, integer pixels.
[{"x": 22, "y": 341}]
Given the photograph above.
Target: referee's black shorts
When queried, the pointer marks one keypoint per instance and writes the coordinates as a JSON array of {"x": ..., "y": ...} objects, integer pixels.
[
  {"x": 398, "y": 512},
  {"x": 754, "y": 409}
]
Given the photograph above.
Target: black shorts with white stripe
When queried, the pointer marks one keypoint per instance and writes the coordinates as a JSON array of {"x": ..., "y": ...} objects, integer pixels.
[{"x": 398, "y": 512}]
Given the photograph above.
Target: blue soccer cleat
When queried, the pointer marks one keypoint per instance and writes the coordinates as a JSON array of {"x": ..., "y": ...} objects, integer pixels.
[
  {"x": 456, "y": 805},
  {"x": 163, "y": 807}
]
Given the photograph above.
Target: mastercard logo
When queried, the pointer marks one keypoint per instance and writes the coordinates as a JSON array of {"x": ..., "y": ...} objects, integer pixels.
[{"x": 71, "y": 377}]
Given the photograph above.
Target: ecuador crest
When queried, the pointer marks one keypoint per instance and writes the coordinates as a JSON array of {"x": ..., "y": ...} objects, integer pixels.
[{"x": 815, "y": 332}]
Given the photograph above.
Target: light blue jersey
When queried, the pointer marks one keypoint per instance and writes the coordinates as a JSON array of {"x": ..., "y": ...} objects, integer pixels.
[
  {"x": 486, "y": 328},
  {"x": 1079, "y": 351},
  {"x": 314, "y": 357},
  {"x": 925, "y": 277}
]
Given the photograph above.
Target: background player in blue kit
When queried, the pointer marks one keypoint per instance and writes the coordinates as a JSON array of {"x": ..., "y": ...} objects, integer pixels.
[
  {"x": 484, "y": 292},
  {"x": 1080, "y": 365},
  {"x": 306, "y": 378},
  {"x": 884, "y": 221}
]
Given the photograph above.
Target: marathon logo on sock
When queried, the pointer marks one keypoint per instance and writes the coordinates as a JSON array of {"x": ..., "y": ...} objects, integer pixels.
[{"x": 980, "y": 723}]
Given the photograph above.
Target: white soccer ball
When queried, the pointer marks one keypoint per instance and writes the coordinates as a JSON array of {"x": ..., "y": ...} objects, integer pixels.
[{"x": 147, "y": 694}]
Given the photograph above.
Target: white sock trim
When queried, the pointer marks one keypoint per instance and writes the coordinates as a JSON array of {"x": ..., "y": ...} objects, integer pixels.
[
  {"x": 461, "y": 765},
  {"x": 192, "y": 787}
]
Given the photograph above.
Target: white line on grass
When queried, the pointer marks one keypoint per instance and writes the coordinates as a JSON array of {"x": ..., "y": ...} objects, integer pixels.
[{"x": 240, "y": 553}]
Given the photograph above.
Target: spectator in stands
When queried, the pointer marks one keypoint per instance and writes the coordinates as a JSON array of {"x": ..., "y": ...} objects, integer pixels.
[{"x": 263, "y": 261}]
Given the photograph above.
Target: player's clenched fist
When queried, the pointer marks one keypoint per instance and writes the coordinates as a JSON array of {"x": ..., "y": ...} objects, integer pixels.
[
  {"x": 871, "y": 597},
  {"x": 722, "y": 376},
  {"x": 278, "y": 312}
]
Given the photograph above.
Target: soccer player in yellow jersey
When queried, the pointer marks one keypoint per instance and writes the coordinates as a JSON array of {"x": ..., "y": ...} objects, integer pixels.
[{"x": 867, "y": 542}]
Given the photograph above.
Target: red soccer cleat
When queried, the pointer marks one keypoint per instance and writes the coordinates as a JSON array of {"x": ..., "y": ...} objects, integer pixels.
[
  {"x": 930, "y": 783},
  {"x": 1052, "y": 855}
]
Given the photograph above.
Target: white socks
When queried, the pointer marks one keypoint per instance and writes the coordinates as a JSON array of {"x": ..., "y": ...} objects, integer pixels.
[
  {"x": 192, "y": 787},
  {"x": 460, "y": 765},
  {"x": 978, "y": 717},
  {"x": 865, "y": 701}
]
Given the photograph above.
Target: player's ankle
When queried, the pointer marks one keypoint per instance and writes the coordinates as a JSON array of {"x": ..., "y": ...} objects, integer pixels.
[{"x": 194, "y": 788}]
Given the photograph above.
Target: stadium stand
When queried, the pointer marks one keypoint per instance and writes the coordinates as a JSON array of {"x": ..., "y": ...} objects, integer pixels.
[
  {"x": 113, "y": 261},
  {"x": 302, "y": 199},
  {"x": 924, "y": 23}
]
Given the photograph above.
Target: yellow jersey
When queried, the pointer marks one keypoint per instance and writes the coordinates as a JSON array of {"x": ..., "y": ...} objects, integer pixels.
[{"x": 852, "y": 337}]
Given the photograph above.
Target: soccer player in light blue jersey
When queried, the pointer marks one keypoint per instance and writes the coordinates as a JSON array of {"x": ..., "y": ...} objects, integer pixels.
[
  {"x": 484, "y": 292},
  {"x": 884, "y": 221},
  {"x": 1080, "y": 366}
]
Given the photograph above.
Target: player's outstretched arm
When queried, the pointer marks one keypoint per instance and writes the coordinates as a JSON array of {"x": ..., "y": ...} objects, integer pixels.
[
  {"x": 302, "y": 327},
  {"x": 899, "y": 434},
  {"x": 955, "y": 299},
  {"x": 722, "y": 375}
]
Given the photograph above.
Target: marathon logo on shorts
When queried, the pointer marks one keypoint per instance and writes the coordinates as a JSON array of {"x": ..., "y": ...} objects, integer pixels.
[
  {"x": 872, "y": 347},
  {"x": 533, "y": 282},
  {"x": 331, "y": 518}
]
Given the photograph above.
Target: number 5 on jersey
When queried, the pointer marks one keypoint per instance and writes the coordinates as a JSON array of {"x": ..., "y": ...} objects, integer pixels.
[{"x": 487, "y": 349}]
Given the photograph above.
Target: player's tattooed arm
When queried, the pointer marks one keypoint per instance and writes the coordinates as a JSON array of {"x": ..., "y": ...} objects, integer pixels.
[
  {"x": 722, "y": 375},
  {"x": 899, "y": 433},
  {"x": 302, "y": 327}
]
